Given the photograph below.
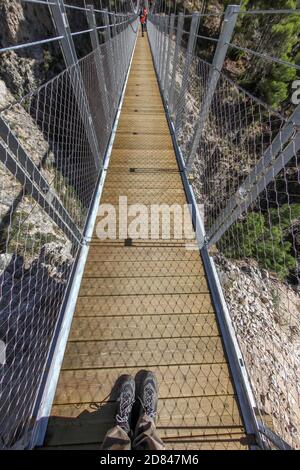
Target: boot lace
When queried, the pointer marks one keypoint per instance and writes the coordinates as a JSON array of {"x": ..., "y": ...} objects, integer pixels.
[
  {"x": 148, "y": 402},
  {"x": 126, "y": 403}
]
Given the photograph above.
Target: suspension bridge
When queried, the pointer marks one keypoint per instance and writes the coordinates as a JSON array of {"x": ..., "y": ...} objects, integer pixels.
[{"x": 143, "y": 121}]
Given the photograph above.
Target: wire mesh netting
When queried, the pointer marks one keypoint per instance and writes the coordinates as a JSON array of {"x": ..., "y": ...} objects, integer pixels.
[
  {"x": 49, "y": 171},
  {"x": 146, "y": 307},
  {"x": 245, "y": 173},
  {"x": 144, "y": 301},
  {"x": 150, "y": 304}
]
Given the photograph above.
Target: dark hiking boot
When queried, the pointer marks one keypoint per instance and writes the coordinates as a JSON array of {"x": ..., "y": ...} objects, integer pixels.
[
  {"x": 126, "y": 398},
  {"x": 147, "y": 393}
]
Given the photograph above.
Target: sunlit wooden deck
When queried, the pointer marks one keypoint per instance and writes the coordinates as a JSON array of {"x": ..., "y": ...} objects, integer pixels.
[{"x": 145, "y": 306}]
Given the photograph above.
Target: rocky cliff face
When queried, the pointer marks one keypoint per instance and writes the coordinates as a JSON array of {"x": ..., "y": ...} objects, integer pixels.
[
  {"x": 35, "y": 263},
  {"x": 25, "y": 69},
  {"x": 265, "y": 315}
]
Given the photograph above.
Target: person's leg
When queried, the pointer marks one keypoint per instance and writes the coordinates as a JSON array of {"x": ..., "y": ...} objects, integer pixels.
[
  {"x": 145, "y": 435},
  {"x": 142, "y": 29},
  {"x": 118, "y": 438}
]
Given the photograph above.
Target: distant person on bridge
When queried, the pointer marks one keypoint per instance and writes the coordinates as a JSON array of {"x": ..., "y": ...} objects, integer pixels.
[
  {"x": 146, "y": 17},
  {"x": 125, "y": 435},
  {"x": 143, "y": 21}
]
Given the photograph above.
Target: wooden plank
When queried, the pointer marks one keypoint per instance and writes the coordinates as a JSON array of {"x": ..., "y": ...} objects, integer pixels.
[
  {"x": 164, "y": 221},
  {"x": 147, "y": 89},
  {"x": 149, "y": 304},
  {"x": 139, "y": 122},
  {"x": 166, "y": 236},
  {"x": 138, "y": 254},
  {"x": 156, "y": 193},
  {"x": 143, "y": 161},
  {"x": 223, "y": 444},
  {"x": 142, "y": 326},
  {"x": 153, "y": 142},
  {"x": 150, "y": 128},
  {"x": 137, "y": 116},
  {"x": 132, "y": 107},
  {"x": 85, "y": 426},
  {"x": 144, "y": 242},
  {"x": 138, "y": 102},
  {"x": 148, "y": 198},
  {"x": 135, "y": 194},
  {"x": 122, "y": 178},
  {"x": 142, "y": 268},
  {"x": 199, "y": 411},
  {"x": 173, "y": 353},
  {"x": 231, "y": 443},
  {"x": 143, "y": 286}
]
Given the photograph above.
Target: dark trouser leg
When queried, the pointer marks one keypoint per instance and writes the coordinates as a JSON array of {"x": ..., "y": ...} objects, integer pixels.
[
  {"x": 116, "y": 439},
  {"x": 145, "y": 436},
  {"x": 143, "y": 26}
]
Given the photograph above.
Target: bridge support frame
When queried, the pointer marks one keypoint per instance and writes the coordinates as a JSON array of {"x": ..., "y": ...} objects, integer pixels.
[
  {"x": 175, "y": 61},
  {"x": 16, "y": 159},
  {"x": 186, "y": 71},
  {"x": 166, "y": 24},
  {"x": 230, "y": 18},
  {"x": 160, "y": 42},
  {"x": 166, "y": 75},
  {"x": 60, "y": 20},
  {"x": 98, "y": 59},
  {"x": 108, "y": 37}
]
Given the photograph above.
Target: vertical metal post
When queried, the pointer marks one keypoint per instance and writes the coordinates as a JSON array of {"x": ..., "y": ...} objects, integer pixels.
[
  {"x": 60, "y": 20},
  {"x": 160, "y": 44},
  {"x": 165, "y": 38},
  {"x": 155, "y": 21},
  {"x": 165, "y": 84},
  {"x": 157, "y": 41},
  {"x": 190, "y": 52},
  {"x": 229, "y": 22},
  {"x": 157, "y": 32},
  {"x": 114, "y": 27},
  {"x": 115, "y": 47},
  {"x": 109, "y": 53},
  {"x": 175, "y": 60},
  {"x": 125, "y": 41},
  {"x": 99, "y": 64},
  {"x": 126, "y": 31},
  {"x": 119, "y": 45}
]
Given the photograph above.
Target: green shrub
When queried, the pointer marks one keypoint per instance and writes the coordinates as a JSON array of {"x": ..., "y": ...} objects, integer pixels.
[
  {"x": 264, "y": 237},
  {"x": 271, "y": 81}
]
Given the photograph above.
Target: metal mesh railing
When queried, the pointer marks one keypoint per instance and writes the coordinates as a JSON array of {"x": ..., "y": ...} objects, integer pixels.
[
  {"x": 49, "y": 172},
  {"x": 241, "y": 149}
]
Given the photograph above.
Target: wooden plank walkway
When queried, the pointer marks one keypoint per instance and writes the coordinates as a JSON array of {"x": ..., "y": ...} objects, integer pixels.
[{"x": 145, "y": 306}]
